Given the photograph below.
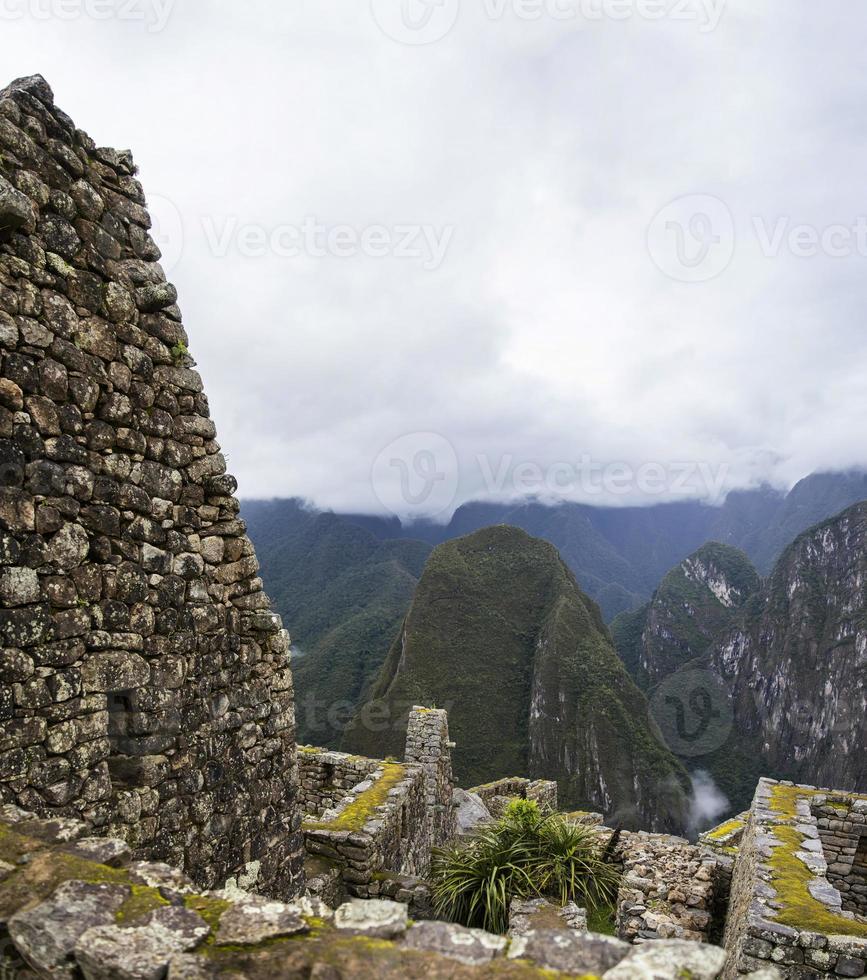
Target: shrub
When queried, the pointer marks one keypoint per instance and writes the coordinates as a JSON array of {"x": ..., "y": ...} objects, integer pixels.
[{"x": 526, "y": 854}]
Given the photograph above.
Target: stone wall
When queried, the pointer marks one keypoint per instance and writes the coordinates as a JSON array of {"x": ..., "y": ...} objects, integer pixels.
[
  {"x": 326, "y": 779},
  {"x": 495, "y": 794},
  {"x": 427, "y": 743},
  {"x": 381, "y": 826},
  {"x": 145, "y": 682},
  {"x": 842, "y": 824},
  {"x": 378, "y": 820},
  {"x": 64, "y": 912},
  {"x": 783, "y": 908}
]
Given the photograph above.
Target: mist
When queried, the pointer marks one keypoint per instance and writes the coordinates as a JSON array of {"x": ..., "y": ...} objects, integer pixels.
[{"x": 708, "y": 803}]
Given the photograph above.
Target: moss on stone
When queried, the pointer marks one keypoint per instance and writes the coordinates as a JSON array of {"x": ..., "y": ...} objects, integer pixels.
[
  {"x": 790, "y": 877},
  {"x": 725, "y": 829},
  {"x": 140, "y": 904},
  {"x": 356, "y": 814},
  {"x": 209, "y": 908}
]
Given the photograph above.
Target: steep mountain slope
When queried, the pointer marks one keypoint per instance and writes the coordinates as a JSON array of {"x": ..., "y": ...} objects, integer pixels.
[
  {"x": 797, "y": 665},
  {"x": 342, "y": 593},
  {"x": 499, "y": 633},
  {"x": 695, "y": 603}
]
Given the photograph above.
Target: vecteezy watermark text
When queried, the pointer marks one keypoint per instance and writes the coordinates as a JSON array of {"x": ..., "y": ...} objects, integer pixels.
[
  {"x": 153, "y": 14},
  {"x": 419, "y": 473},
  {"x": 706, "y": 13},
  {"x": 419, "y": 22},
  {"x": 312, "y": 238},
  {"x": 692, "y": 239}
]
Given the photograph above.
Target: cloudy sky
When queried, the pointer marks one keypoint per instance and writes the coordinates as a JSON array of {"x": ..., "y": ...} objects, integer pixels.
[{"x": 430, "y": 249}]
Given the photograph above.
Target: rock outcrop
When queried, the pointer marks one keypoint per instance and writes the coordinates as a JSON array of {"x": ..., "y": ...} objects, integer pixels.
[
  {"x": 145, "y": 681},
  {"x": 500, "y": 635},
  {"x": 796, "y": 665},
  {"x": 694, "y": 605}
]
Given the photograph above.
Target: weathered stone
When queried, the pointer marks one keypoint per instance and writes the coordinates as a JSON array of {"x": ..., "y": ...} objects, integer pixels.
[
  {"x": 16, "y": 211},
  {"x": 103, "y": 850},
  {"x": 69, "y": 547},
  {"x": 46, "y": 935},
  {"x": 470, "y": 946},
  {"x": 156, "y": 297},
  {"x": 670, "y": 960},
  {"x": 19, "y": 586},
  {"x": 378, "y": 918},
  {"x": 117, "y": 671},
  {"x": 569, "y": 951},
  {"x": 111, "y": 952},
  {"x": 471, "y": 811},
  {"x": 254, "y": 919}
]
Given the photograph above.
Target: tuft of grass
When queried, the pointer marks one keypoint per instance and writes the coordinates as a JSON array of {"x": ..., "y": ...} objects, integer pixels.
[{"x": 524, "y": 855}]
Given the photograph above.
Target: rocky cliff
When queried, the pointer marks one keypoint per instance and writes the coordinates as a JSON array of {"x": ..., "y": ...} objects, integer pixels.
[
  {"x": 500, "y": 635},
  {"x": 695, "y": 604},
  {"x": 797, "y": 664}
]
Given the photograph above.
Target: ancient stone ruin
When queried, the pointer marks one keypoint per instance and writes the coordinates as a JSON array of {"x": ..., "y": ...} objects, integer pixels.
[
  {"x": 146, "y": 684},
  {"x": 156, "y": 817}
]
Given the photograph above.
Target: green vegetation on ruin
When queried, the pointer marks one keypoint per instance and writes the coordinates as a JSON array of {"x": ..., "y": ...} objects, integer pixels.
[
  {"x": 354, "y": 816},
  {"x": 791, "y": 878},
  {"x": 526, "y": 854}
]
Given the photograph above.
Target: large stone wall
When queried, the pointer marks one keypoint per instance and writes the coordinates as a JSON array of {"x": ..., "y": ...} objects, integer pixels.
[{"x": 145, "y": 682}]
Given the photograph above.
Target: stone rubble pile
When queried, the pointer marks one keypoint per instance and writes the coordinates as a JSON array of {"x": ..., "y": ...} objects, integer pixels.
[{"x": 667, "y": 890}]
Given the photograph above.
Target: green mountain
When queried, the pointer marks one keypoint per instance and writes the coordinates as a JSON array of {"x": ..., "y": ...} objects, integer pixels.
[
  {"x": 342, "y": 593},
  {"x": 695, "y": 604},
  {"x": 499, "y": 633}
]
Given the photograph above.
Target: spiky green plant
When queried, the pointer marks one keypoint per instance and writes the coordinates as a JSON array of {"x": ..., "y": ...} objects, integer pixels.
[{"x": 525, "y": 854}]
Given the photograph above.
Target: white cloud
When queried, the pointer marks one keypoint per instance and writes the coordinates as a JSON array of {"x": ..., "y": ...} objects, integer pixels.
[{"x": 548, "y": 332}]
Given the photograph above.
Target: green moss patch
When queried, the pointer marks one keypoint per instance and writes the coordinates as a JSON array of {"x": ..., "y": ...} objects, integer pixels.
[
  {"x": 139, "y": 905},
  {"x": 791, "y": 877},
  {"x": 356, "y": 815}
]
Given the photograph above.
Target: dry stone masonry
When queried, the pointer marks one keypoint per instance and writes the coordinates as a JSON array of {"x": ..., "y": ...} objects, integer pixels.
[
  {"x": 63, "y": 914},
  {"x": 667, "y": 890},
  {"x": 377, "y": 821},
  {"x": 145, "y": 681},
  {"x": 785, "y": 908}
]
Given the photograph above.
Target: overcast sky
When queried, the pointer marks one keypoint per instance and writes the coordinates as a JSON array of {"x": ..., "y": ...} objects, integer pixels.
[{"x": 426, "y": 252}]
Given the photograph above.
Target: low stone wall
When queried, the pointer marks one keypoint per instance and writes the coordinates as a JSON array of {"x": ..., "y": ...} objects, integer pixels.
[
  {"x": 543, "y": 791},
  {"x": 842, "y": 824},
  {"x": 65, "y": 914},
  {"x": 783, "y": 909},
  {"x": 667, "y": 890},
  {"x": 382, "y": 826},
  {"x": 326, "y": 778}
]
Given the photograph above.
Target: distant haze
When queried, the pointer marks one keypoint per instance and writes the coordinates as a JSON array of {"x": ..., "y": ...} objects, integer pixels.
[{"x": 576, "y": 257}]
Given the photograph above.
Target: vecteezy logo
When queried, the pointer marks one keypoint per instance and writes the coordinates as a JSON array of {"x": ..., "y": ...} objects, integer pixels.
[
  {"x": 416, "y": 474},
  {"x": 693, "y": 711},
  {"x": 167, "y": 230},
  {"x": 692, "y": 239},
  {"x": 415, "y": 21}
]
